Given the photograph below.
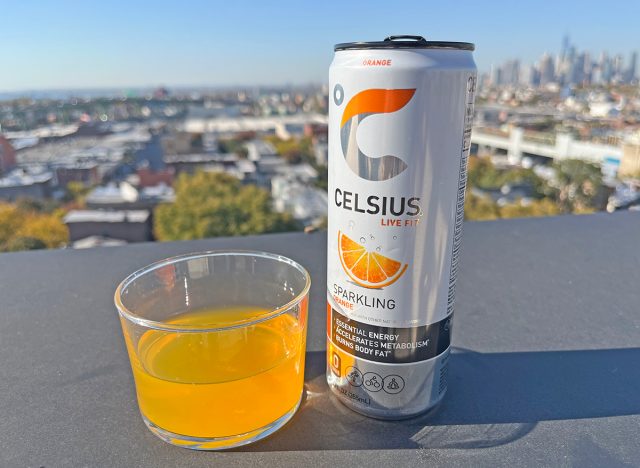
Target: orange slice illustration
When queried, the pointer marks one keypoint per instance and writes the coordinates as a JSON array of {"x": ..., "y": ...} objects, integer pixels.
[{"x": 368, "y": 269}]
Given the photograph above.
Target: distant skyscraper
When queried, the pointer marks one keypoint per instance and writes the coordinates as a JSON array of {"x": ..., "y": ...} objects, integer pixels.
[
  {"x": 546, "y": 70},
  {"x": 510, "y": 72},
  {"x": 631, "y": 71},
  {"x": 606, "y": 68},
  {"x": 526, "y": 78},
  {"x": 596, "y": 75},
  {"x": 586, "y": 70},
  {"x": 570, "y": 67},
  {"x": 495, "y": 76},
  {"x": 618, "y": 68},
  {"x": 576, "y": 75},
  {"x": 564, "y": 49}
]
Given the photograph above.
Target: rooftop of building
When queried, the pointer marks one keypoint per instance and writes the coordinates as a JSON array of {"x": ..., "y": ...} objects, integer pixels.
[
  {"x": 543, "y": 369},
  {"x": 106, "y": 216},
  {"x": 23, "y": 177}
]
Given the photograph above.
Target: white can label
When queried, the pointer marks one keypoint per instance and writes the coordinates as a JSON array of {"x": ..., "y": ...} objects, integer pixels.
[{"x": 398, "y": 146}]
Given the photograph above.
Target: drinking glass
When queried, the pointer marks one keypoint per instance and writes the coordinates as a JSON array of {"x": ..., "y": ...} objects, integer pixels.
[{"x": 216, "y": 342}]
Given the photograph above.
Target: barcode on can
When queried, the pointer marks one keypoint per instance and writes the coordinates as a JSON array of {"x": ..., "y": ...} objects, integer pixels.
[{"x": 462, "y": 185}]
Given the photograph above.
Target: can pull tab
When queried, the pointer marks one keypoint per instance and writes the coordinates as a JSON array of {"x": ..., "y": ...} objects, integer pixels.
[{"x": 403, "y": 37}]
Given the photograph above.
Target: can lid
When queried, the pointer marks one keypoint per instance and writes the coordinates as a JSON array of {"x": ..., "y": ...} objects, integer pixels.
[{"x": 405, "y": 42}]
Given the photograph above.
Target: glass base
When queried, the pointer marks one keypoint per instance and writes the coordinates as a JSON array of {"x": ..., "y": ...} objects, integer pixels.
[{"x": 221, "y": 443}]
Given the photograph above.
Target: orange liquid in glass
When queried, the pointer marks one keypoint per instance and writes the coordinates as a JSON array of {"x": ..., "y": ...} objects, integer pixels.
[{"x": 224, "y": 383}]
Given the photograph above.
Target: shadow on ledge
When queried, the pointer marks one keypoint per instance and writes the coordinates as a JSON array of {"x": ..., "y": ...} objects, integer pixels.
[{"x": 493, "y": 399}]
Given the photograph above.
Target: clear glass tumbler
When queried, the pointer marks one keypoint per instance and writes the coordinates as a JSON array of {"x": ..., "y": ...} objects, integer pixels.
[{"x": 217, "y": 344}]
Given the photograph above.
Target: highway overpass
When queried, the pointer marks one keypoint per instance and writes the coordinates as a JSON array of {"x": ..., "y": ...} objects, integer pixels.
[{"x": 518, "y": 143}]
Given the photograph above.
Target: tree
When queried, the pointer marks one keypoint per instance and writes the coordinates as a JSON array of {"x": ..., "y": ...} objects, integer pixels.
[
  {"x": 233, "y": 145},
  {"x": 483, "y": 174},
  {"x": 76, "y": 191},
  {"x": 216, "y": 204},
  {"x": 479, "y": 208},
  {"x": 19, "y": 243},
  {"x": 483, "y": 208},
  {"x": 26, "y": 204},
  {"x": 578, "y": 185},
  {"x": 28, "y": 229},
  {"x": 543, "y": 207},
  {"x": 293, "y": 150},
  {"x": 48, "y": 228},
  {"x": 10, "y": 221}
]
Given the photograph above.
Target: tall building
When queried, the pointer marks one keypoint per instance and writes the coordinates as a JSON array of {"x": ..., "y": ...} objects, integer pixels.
[
  {"x": 529, "y": 76},
  {"x": 596, "y": 75},
  {"x": 606, "y": 68},
  {"x": 576, "y": 74},
  {"x": 618, "y": 68},
  {"x": 564, "y": 49},
  {"x": 495, "y": 75},
  {"x": 7, "y": 156},
  {"x": 510, "y": 72},
  {"x": 547, "y": 74},
  {"x": 587, "y": 68},
  {"x": 631, "y": 70}
]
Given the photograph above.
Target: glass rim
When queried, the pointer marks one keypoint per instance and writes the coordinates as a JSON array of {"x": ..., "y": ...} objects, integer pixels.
[{"x": 127, "y": 314}]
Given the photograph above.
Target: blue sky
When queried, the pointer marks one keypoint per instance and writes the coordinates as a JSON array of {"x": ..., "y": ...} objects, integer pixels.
[{"x": 63, "y": 44}]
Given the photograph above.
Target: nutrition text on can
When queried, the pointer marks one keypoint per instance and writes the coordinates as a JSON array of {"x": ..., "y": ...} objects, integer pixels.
[{"x": 400, "y": 114}]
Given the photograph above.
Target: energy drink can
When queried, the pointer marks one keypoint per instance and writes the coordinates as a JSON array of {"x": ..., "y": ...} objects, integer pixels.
[{"x": 400, "y": 115}]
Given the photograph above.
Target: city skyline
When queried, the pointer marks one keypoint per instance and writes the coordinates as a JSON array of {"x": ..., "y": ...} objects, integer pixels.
[
  {"x": 66, "y": 45},
  {"x": 568, "y": 65}
]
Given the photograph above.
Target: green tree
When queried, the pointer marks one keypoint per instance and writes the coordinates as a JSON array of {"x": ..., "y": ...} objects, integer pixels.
[
  {"x": 323, "y": 177},
  {"x": 483, "y": 174},
  {"x": 578, "y": 186},
  {"x": 479, "y": 208},
  {"x": 233, "y": 145},
  {"x": 216, "y": 204}
]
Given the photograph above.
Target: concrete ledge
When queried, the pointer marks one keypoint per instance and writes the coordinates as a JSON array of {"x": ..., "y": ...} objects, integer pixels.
[{"x": 544, "y": 370}]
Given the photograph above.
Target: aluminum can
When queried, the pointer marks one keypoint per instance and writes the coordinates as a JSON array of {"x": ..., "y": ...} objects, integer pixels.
[{"x": 400, "y": 115}]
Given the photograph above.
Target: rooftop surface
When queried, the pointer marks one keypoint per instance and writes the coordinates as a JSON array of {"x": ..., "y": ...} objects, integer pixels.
[
  {"x": 544, "y": 370},
  {"x": 105, "y": 216}
]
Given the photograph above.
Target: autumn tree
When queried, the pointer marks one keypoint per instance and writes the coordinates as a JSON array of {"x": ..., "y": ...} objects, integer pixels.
[
  {"x": 479, "y": 208},
  {"x": 10, "y": 221},
  {"x": 293, "y": 150},
  {"x": 216, "y": 204},
  {"x": 20, "y": 243},
  {"x": 48, "y": 228},
  {"x": 22, "y": 227},
  {"x": 77, "y": 192}
]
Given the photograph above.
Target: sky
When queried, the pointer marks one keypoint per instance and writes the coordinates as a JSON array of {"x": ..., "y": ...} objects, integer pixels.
[{"x": 64, "y": 44}]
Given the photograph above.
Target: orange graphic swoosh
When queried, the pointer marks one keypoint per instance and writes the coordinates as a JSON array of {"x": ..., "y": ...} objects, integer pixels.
[{"x": 376, "y": 101}]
